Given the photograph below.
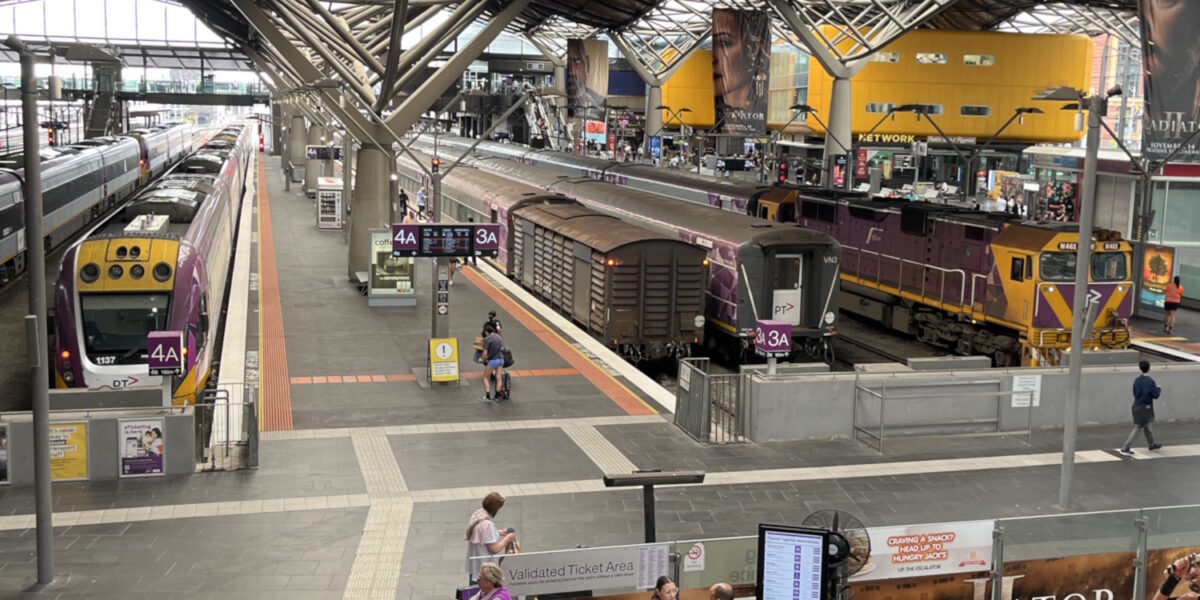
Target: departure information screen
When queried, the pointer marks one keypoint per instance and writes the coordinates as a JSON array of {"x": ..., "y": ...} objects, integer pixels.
[
  {"x": 791, "y": 563},
  {"x": 446, "y": 240}
]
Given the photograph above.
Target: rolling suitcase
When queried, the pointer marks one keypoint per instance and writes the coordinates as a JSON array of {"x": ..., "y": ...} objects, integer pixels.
[{"x": 502, "y": 390}]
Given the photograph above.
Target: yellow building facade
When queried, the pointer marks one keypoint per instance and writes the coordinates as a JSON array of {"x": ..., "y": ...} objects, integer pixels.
[{"x": 971, "y": 82}]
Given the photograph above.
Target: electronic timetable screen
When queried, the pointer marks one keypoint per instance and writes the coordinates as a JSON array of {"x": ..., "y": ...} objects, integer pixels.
[{"x": 791, "y": 563}]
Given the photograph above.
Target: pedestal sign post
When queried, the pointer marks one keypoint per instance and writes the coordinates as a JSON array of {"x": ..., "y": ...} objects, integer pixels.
[
  {"x": 165, "y": 358},
  {"x": 772, "y": 340}
]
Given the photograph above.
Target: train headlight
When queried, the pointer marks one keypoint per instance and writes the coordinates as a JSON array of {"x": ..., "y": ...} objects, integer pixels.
[
  {"x": 68, "y": 376},
  {"x": 830, "y": 318},
  {"x": 698, "y": 321},
  {"x": 136, "y": 271},
  {"x": 1050, "y": 289},
  {"x": 89, "y": 273},
  {"x": 116, "y": 271},
  {"x": 162, "y": 272}
]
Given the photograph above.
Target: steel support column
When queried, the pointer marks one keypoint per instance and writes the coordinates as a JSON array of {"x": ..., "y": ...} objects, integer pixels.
[
  {"x": 837, "y": 138},
  {"x": 654, "y": 119},
  {"x": 560, "y": 79},
  {"x": 314, "y": 168},
  {"x": 428, "y": 93},
  {"x": 393, "y": 55},
  {"x": 297, "y": 138},
  {"x": 371, "y": 206},
  {"x": 277, "y": 116}
]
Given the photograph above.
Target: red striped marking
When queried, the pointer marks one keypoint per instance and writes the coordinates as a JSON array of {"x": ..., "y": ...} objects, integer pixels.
[
  {"x": 408, "y": 378},
  {"x": 274, "y": 390}
]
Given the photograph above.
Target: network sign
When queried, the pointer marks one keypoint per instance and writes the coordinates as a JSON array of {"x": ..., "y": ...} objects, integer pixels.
[
  {"x": 165, "y": 352},
  {"x": 772, "y": 339},
  {"x": 404, "y": 240},
  {"x": 487, "y": 240}
]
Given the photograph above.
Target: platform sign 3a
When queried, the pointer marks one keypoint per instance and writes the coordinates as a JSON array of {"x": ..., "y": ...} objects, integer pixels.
[
  {"x": 443, "y": 359},
  {"x": 404, "y": 240},
  {"x": 487, "y": 240},
  {"x": 772, "y": 339},
  {"x": 165, "y": 352}
]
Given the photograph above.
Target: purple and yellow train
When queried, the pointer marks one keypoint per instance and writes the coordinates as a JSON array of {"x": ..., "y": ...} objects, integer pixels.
[{"x": 160, "y": 264}]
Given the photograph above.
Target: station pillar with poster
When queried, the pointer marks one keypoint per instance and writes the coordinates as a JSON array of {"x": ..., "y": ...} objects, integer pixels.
[{"x": 438, "y": 241}]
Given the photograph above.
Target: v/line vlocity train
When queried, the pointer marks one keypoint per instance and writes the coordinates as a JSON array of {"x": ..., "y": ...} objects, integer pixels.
[
  {"x": 80, "y": 183},
  {"x": 758, "y": 270},
  {"x": 639, "y": 292},
  {"x": 160, "y": 264}
]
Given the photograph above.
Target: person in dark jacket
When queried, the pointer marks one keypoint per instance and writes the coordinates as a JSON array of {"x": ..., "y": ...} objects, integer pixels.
[
  {"x": 493, "y": 361},
  {"x": 1144, "y": 393}
]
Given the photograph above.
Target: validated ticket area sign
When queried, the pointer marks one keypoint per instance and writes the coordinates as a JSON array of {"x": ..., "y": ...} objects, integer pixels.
[{"x": 445, "y": 240}]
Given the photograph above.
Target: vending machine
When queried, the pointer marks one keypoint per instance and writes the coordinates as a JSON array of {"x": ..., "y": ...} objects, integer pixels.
[{"x": 329, "y": 203}]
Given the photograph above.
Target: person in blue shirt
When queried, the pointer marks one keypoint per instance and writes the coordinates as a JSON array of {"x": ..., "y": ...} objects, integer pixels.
[{"x": 1144, "y": 393}]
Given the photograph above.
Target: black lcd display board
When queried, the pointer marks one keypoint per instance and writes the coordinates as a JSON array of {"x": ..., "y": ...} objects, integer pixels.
[
  {"x": 446, "y": 240},
  {"x": 323, "y": 153}
]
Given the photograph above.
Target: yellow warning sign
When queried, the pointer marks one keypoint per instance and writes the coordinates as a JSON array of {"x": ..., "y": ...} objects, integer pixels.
[{"x": 443, "y": 359}]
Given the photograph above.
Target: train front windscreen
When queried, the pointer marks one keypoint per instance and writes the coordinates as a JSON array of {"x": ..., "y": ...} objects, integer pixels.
[{"x": 115, "y": 326}]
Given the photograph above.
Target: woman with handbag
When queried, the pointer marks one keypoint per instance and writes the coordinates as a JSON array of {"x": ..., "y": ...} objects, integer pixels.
[{"x": 483, "y": 540}]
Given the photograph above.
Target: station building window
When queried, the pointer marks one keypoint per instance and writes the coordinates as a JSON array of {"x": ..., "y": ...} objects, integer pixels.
[
  {"x": 971, "y": 110},
  {"x": 879, "y": 107},
  {"x": 931, "y": 58},
  {"x": 979, "y": 60},
  {"x": 886, "y": 57}
]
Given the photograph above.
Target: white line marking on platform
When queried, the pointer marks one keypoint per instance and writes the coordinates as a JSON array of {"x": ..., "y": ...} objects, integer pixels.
[
  {"x": 464, "y": 427},
  {"x": 662, "y": 396}
]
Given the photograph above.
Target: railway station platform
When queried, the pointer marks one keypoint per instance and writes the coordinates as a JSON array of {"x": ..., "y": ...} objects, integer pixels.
[
  {"x": 1183, "y": 343},
  {"x": 366, "y": 478}
]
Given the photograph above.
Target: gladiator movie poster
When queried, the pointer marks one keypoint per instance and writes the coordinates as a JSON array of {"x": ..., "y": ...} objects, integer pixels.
[
  {"x": 1088, "y": 577},
  {"x": 741, "y": 61},
  {"x": 1171, "y": 63},
  {"x": 587, "y": 79}
]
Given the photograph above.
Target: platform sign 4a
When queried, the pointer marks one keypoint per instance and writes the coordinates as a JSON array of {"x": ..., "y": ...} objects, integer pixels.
[
  {"x": 772, "y": 339},
  {"x": 487, "y": 240},
  {"x": 443, "y": 359},
  {"x": 165, "y": 352},
  {"x": 404, "y": 240}
]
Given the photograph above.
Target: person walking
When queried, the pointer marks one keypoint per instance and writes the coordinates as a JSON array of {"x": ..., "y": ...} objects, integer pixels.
[
  {"x": 483, "y": 539},
  {"x": 495, "y": 323},
  {"x": 493, "y": 363},
  {"x": 421, "y": 201},
  {"x": 1173, "y": 298},
  {"x": 403, "y": 204},
  {"x": 474, "y": 260},
  {"x": 491, "y": 583},
  {"x": 1144, "y": 393}
]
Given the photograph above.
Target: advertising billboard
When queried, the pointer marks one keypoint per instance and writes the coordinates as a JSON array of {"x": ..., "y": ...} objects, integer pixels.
[
  {"x": 587, "y": 79},
  {"x": 741, "y": 62},
  {"x": 1171, "y": 66},
  {"x": 68, "y": 451},
  {"x": 1158, "y": 267},
  {"x": 142, "y": 447}
]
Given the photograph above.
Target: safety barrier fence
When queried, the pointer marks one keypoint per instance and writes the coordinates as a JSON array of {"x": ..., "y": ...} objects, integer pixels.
[
  {"x": 1109, "y": 555},
  {"x": 709, "y": 406},
  {"x": 871, "y": 407},
  {"x": 227, "y": 422}
]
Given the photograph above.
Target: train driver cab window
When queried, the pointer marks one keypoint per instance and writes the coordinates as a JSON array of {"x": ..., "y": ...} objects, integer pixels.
[
  {"x": 1018, "y": 269},
  {"x": 1058, "y": 266},
  {"x": 1108, "y": 266}
]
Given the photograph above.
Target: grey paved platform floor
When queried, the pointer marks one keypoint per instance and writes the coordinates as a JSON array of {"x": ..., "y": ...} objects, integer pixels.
[{"x": 362, "y": 502}]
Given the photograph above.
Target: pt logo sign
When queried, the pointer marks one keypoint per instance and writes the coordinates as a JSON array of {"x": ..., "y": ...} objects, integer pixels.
[{"x": 165, "y": 352}]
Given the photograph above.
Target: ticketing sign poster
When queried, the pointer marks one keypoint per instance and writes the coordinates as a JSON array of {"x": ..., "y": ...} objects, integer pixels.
[{"x": 142, "y": 447}]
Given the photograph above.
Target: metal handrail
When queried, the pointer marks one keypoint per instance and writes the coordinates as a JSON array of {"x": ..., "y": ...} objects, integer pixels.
[
  {"x": 962, "y": 292},
  {"x": 878, "y": 431}
]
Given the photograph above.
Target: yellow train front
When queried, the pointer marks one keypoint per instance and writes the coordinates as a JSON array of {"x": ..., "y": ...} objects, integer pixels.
[{"x": 1032, "y": 288}]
